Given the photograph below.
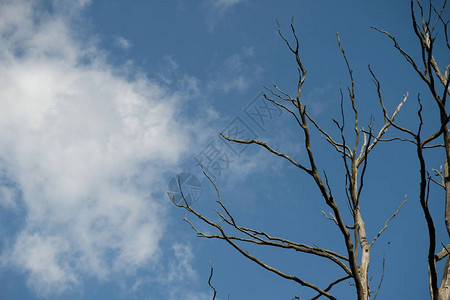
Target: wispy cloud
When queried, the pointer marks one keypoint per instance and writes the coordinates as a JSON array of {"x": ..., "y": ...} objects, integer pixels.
[
  {"x": 123, "y": 43},
  {"x": 177, "y": 277},
  {"x": 226, "y": 3},
  {"x": 318, "y": 99},
  {"x": 181, "y": 268},
  {"x": 217, "y": 10},
  {"x": 74, "y": 137},
  {"x": 235, "y": 72}
]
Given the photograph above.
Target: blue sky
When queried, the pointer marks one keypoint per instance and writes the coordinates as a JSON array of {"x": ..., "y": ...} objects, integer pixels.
[{"x": 102, "y": 102}]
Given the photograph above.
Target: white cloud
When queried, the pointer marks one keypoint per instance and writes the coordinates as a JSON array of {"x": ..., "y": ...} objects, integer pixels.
[
  {"x": 75, "y": 137},
  {"x": 190, "y": 295},
  {"x": 235, "y": 72},
  {"x": 181, "y": 267},
  {"x": 177, "y": 278},
  {"x": 7, "y": 197},
  {"x": 226, "y": 3},
  {"x": 123, "y": 43},
  {"x": 44, "y": 258},
  {"x": 217, "y": 10}
]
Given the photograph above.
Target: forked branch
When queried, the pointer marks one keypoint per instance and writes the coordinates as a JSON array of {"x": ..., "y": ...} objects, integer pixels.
[{"x": 256, "y": 240}]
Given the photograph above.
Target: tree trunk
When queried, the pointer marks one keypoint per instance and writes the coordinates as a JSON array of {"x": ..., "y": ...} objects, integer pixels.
[
  {"x": 444, "y": 290},
  {"x": 447, "y": 180},
  {"x": 363, "y": 288}
]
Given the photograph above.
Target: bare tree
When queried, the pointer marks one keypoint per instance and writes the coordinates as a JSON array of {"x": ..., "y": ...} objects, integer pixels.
[
  {"x": 438, "y": 85},
  {"x": 354, "y": 263}
]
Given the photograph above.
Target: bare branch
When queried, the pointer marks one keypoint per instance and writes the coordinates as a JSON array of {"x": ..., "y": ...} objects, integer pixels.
[
  {"x": 331, "y": 285},
  {"x": 441, "y": 176},
  {"x": 209, "y": 280},
  {"x": 333, "y": 256},
  {"x": 434, "y": 146},
  {"x": 229, "y": 240},
  {"x": 364, "y": 157},
  {"x": 406, "y": 55},
  {"x": 300, "y": 245},
  {"x": 443, "y": 253},
  {"x": 351, "y": 92},
  {"x": 317, "y": 251},
  {"x": 388, "y": 120},
  {"x": 329, "y": 188},
  {"x": 219, "y": 198},
  {"x": 286, "y": 41},
  {"x": 381, "y": 279},
  {"x": 336, "y": 145},
  {"x": 253, "y": 141},
  {"x": 223, "y": 235},
  {"x": 438, "y": 173},
  {"x": 434, "y": 136},
  {"x": 286, "y": 97},
  {"x": 397, "y": 139},
  {"x": 428, "y": 218},
  {"x": 387, "y": 222},
  {"x": 282, "y": 106},
  {"x": 444, "y": 24},
  {"x": 331, "y": 217}
]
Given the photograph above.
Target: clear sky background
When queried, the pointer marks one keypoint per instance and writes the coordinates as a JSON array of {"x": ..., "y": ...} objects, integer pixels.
[{"x": 102, "y": 102}]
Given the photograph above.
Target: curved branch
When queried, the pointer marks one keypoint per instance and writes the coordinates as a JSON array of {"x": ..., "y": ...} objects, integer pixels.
[
  {"x": 331, "y": 285},
  {"x": 253, "y": 141},
  {"x": 209, "y": 281},
  {"x": 387, "y": 222}
]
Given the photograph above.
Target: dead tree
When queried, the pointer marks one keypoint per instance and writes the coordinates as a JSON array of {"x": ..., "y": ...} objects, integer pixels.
[
  {"x": 427, "y": 68},
  {"x": 354, "y": 263}
]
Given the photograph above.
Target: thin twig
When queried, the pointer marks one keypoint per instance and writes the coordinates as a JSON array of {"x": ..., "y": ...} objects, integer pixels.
[
  {"x": 381, "y": 279},
  {"x": 209, "y": 280},
  {"x": 331, "y": 285},
  {"x": 253, "y": 141},
  {"x": 387, "y": 222}
]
